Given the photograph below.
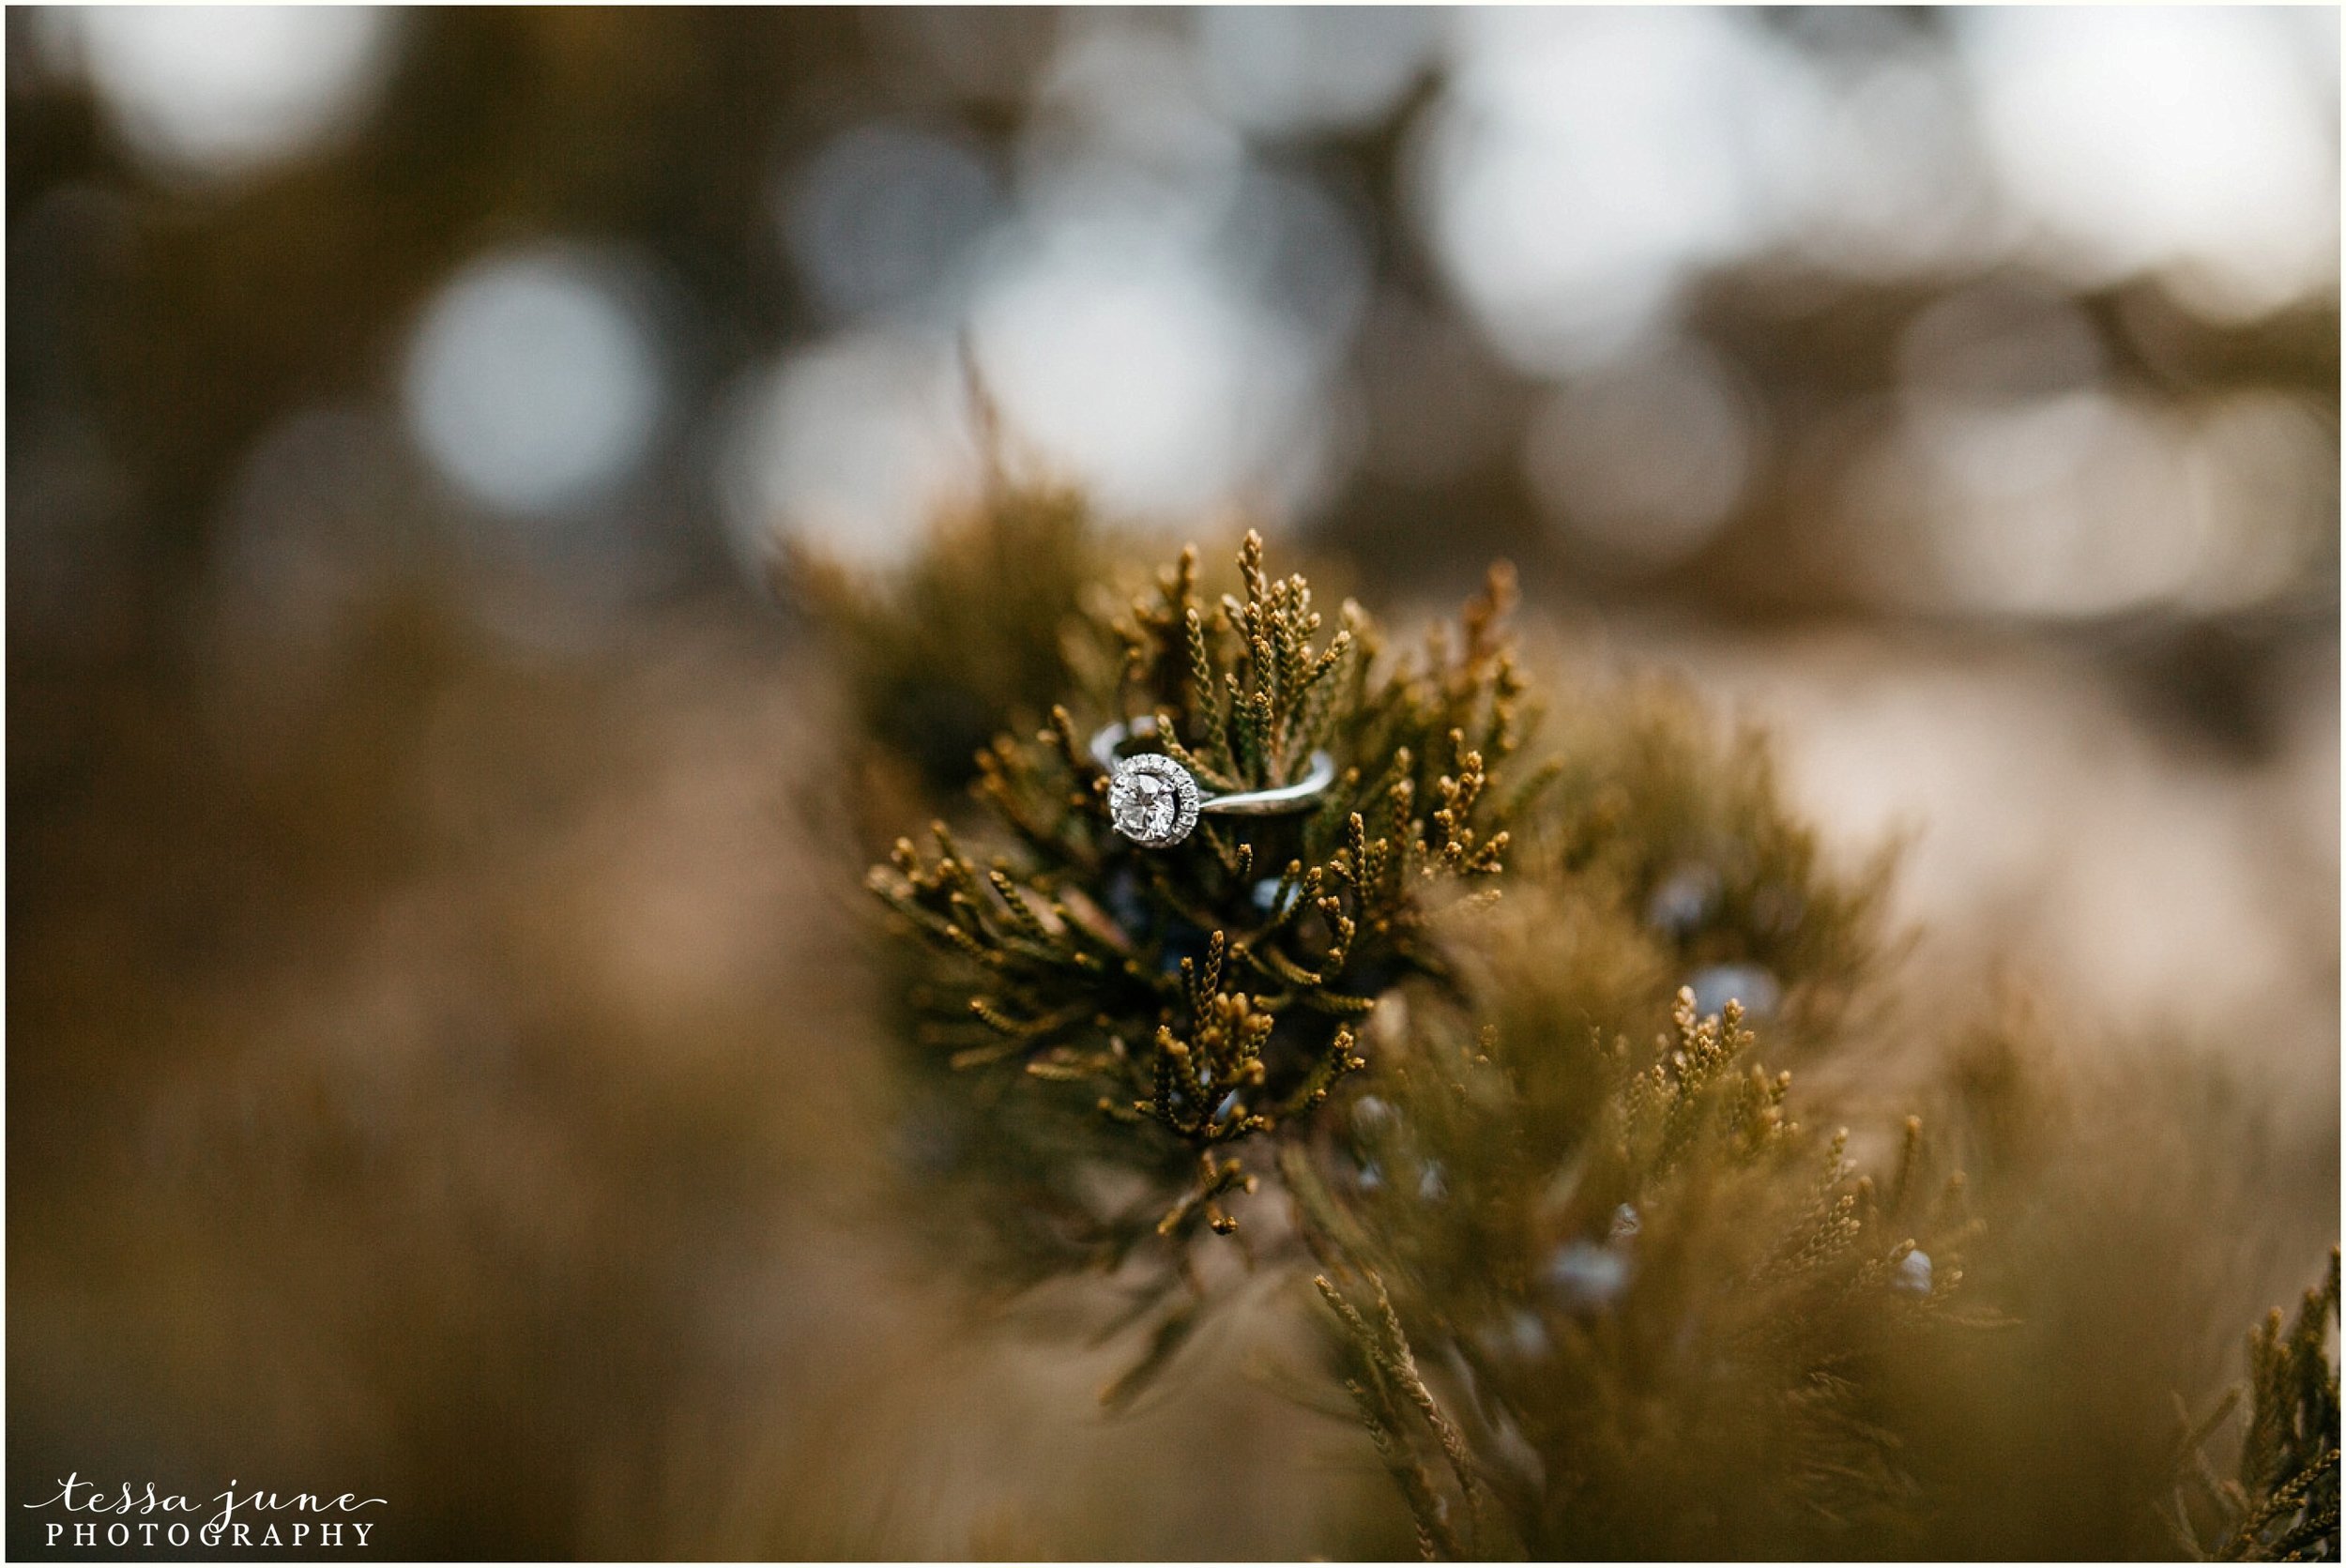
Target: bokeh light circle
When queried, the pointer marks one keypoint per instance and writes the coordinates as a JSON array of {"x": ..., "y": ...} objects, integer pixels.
[
  {"x": 210, "y": 91},
  {"x": 533, "y": 381}
]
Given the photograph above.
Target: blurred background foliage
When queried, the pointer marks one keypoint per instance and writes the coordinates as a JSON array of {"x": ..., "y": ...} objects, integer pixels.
[{"x": 442, "y": 1056}]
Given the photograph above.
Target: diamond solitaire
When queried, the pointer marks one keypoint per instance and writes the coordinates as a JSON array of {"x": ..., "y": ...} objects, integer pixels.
[{"x": 1152, "y": 801}]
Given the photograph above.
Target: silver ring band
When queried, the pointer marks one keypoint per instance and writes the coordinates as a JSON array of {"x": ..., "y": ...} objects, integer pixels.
[
  {"x": 1253, "y": 802},
  {"x": 1156, "y": 801}
]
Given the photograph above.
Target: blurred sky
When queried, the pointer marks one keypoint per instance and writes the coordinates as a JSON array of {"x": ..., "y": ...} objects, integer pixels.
[{"x": 1984, "y": 312}]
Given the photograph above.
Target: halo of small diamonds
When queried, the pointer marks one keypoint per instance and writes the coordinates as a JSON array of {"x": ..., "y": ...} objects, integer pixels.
[{"x": 1152, "y": 801}]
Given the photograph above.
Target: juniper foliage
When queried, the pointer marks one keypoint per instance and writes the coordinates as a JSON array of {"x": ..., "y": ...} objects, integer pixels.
[
  {"x": 1654, "y": 1312},
  {"x": 1197, "y": 998},
  {"x": 2280, "y": 1504},
  {"x": 1582, "y": 1296},
  {"x": 940, "y": 655}
]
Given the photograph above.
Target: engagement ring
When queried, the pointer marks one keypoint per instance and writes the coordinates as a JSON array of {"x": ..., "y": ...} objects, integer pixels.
[{"x": 1155, "y": 802}]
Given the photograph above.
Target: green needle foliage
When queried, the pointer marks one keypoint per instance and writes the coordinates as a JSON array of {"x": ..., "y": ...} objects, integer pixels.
[
  {"x": 1208, "y": 993},
  {"x": 938, "y": 657},
  {"x": 1671, "y": 848},
  {"x": 1654, "y": 1312},
  {"x": 1579, "y": 1296},
  {"x": 2282, "y": 1503}
]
